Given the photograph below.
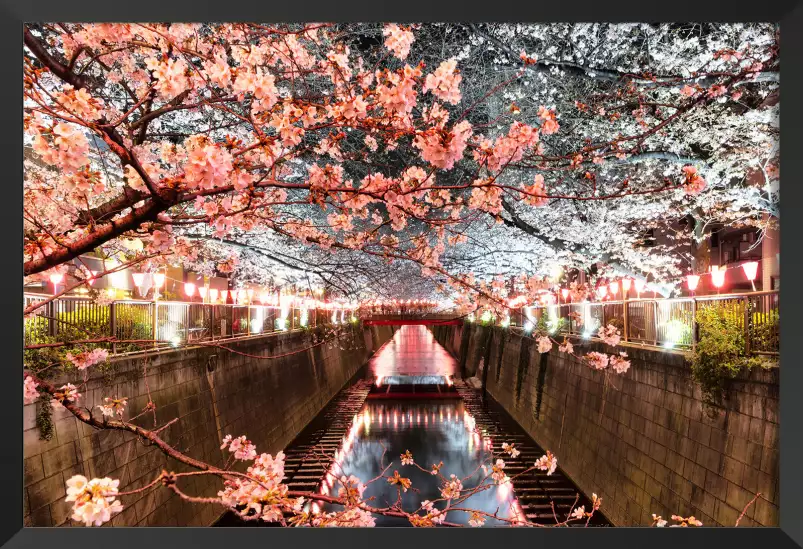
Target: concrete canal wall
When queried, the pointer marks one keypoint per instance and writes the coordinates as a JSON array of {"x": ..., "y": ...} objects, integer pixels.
[
  {"x": 213, "y": 392},
  {"x": 642, "y": 441}
]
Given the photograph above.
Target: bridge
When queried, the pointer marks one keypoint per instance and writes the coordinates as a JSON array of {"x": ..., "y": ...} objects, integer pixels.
[{"x": 412, "y": 320}]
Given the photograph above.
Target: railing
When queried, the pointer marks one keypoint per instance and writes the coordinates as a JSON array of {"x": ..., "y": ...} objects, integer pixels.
[
  {"x": 141, "y": 325},
  {"x": 668, "y": 323}
]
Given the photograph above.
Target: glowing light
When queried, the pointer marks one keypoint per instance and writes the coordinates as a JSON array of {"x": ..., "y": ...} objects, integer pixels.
[
  {"x": 304, "y": 318},
  {"x": 505, "y": 322},
  {"x": 614, "y": 288},
  {"x": 202, "y": 291},
  {"x": 111, "y": 292},
  {"x": 139, "y": 278},
  {"x": 692, "y": 281},
  {"x": 470, "y": 317},
  {"x": 189, "y": 289},
  {"x": 56, "y": 278},
  {"x": 565, "y": 293},
  {"x": 92, "y": 278},
  {"x": 250, "y": 293},
  {"x": 175, "y": 341},
  {"x": 602, "y": 291},
  {"x": 158, "y": 279},
  {"x": 639, "y": 285},
  {"x": 556, "y": 271},
  {"x": 718, "y": 277},
  {"x": 528, "y": 326},
  {"x": 224, "y": 295},
  {"x": 486, "y": 316},
  {"x": 750, "y": 269},
  {"x": 213, "y": 294},
  {"x": 626, "y": 284}
]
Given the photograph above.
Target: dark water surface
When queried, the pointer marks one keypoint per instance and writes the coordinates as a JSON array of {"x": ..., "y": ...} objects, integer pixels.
[{"x": 434, "y": 432}]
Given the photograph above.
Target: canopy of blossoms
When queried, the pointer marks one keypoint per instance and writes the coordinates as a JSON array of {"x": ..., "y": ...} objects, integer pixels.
[{"x": 449, "y": 156}]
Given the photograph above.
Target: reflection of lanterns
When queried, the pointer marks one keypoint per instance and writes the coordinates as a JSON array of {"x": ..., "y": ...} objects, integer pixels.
[
  {"x": 189, "y": 289},
  {"x": 692, "y": 281},
  {"x": 751, "y": 269},
  {"x": 718, "y": 277}
]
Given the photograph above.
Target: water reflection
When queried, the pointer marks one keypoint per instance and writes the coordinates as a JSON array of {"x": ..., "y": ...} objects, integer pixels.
[
  {"x": 433, "y": 432},
  {"x": 413, "y": 352}
]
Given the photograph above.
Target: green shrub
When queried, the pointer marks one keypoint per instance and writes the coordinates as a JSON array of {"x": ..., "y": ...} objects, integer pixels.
[{"x": 720, "y": 351}]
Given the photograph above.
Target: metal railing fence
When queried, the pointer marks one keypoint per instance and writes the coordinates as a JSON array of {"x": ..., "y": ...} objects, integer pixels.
[
  {"x": 670, "y": 323},
  {"x": 141, "y": 325}
]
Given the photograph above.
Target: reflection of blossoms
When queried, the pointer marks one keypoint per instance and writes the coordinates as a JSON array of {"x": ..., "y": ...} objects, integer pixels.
[
  {"x": 30, "y": 394},
  {"x": 547, "y": 463},
  {"x": 95, "y": 500}
]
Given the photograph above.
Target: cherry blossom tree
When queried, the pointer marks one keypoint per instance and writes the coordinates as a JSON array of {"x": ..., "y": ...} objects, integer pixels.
[{"x": 452, "y": 157}]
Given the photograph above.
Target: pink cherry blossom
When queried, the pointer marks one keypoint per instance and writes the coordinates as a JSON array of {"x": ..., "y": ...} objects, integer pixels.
[
  {"x": 398, "y": 40},
  {"x": 30, "y": 394},
  {"x": 444, "y": 83},
  {"x": 95, "y": 501}
]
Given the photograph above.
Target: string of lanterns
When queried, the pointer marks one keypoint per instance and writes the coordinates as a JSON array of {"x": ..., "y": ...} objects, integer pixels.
[{"x": 750, "y": 269}]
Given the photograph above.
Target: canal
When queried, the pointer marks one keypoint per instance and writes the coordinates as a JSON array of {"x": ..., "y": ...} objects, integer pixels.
[{"x": 408, "y": 398}]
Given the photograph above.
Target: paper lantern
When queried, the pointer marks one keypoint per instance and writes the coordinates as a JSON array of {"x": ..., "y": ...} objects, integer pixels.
[
  {"x": 692, "y": 281},
  {"x": 750, "y": 269},
  {"x": 189, "y": 289}
]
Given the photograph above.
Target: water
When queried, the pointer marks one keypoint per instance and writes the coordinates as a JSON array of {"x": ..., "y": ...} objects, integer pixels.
[
  {"x": 433, "y": 432},
  {"x": 412, "y": 356}
]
